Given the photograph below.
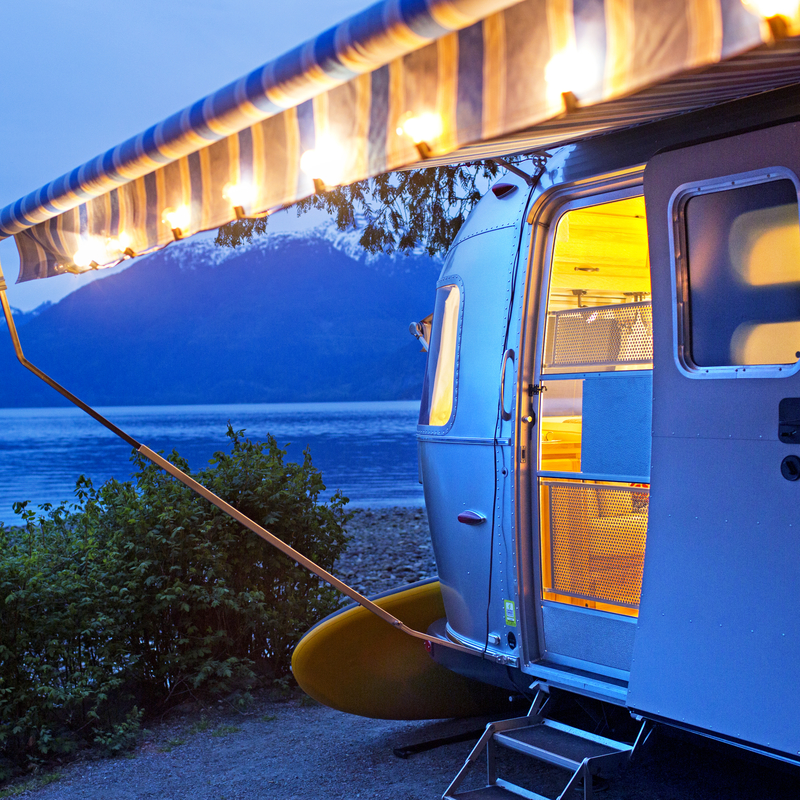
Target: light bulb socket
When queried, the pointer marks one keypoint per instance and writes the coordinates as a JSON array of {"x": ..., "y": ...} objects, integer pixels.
[
  {"x": 239, "y": 211},
  {"x": 424, "y": 149},
  {"x": 570, "y": 102},
  {"x": 778, "y": 27},
  {"x": 177, "y": 234},
  {"x": 128, "y": 251},
  {"x": 319, "y": 186}
]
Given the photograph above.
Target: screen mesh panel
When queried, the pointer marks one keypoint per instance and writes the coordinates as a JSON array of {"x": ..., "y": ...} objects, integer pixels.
[
  {"x": 616, "y": 335},
  {"x": 596, "y": 541}
]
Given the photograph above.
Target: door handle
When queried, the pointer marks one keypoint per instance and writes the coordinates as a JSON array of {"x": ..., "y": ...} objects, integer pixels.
[
  {"x": 508, "y": 355},
  {"x": 471, "y": 518}
]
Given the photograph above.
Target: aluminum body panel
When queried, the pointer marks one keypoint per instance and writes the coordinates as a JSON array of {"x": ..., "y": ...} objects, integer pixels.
[
  {"x": 457, "y": 475},
  {"x": 718, "y": 641},
  {"x": 493, "y": 213},
  {"x": 600, "y": 639},
  {"x": 458, "y": 478}
]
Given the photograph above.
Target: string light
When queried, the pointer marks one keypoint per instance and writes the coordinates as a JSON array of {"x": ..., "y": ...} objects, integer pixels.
[
  {"x": 90, "y": 254},
  {"x": 177, "y": 219},
  {"x": 239, "y": 195},
  {"x": 772, "y": 8},
  {"x": 422, "y": 129},
  {"x": 94, "y": 252},
  {"x": 778, "y": 14},
  {"x": 325, "y": 164},
  {"x": 122, "y": 245},
  {"x": 567, "y": 75}
]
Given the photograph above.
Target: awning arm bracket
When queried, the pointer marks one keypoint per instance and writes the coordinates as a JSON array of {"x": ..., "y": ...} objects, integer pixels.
[{"x": 226, "y": 508}]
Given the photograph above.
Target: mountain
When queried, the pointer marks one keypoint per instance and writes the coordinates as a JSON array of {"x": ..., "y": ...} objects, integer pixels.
[{"x": 288, "y": 317}]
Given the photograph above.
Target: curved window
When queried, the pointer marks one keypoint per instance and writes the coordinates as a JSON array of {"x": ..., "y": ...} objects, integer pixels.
[{"x": 438, "y": 388}]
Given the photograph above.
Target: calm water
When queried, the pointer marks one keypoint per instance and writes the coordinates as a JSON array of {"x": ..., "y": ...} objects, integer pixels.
[{"x": 367, "y": 450}]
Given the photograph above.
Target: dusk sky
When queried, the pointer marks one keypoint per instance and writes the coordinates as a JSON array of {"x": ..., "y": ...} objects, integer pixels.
[{"x": 80, "y": 76}]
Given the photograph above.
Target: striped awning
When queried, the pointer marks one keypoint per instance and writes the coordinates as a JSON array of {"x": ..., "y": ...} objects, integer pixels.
[{"x": 480, "y": 77}]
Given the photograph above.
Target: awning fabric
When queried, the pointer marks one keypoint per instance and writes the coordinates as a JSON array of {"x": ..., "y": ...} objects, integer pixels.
[{"x": 488, "y": 68}]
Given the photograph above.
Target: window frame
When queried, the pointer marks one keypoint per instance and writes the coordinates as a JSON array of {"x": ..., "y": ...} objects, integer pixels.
[
  {"x": 679, "y": 274},
  {"x": 441, "y": 430}
]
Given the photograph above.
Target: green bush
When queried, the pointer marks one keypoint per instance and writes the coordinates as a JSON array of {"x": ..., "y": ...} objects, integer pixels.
[{"x": 141, "y": 592}]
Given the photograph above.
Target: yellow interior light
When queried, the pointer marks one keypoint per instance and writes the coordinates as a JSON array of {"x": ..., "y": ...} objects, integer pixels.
[
  {"x": 177, "y": 219},
  {"x": 325, "y": 164}
]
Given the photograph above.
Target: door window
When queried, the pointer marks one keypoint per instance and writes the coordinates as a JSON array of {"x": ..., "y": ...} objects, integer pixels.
[{"x": 741, "y": 276}]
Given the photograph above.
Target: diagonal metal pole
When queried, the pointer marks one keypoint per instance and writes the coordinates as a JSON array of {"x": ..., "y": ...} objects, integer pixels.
[{"x": 226, "y": 508}]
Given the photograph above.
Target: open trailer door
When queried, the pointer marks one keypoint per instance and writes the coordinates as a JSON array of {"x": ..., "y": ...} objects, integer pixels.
[{"x": 718, "y": 641}]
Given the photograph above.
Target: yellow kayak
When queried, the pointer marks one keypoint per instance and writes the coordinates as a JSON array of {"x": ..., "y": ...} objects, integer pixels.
[{"x": 355, "y": 662}]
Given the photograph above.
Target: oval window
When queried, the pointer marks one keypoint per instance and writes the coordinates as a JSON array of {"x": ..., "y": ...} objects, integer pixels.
[{"x": 438, "y": 388}]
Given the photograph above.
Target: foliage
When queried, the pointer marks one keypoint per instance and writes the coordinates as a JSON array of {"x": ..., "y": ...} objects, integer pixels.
[
  {"x": 122, "y": 735},
  {"x": 399, "y": 211},
  {"x": 141, "y": 591}
]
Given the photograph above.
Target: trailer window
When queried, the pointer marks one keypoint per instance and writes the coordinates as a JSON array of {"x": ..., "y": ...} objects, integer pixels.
[
  {"x": 438, "y": 388},
  {"x": 742, "y": 273}
]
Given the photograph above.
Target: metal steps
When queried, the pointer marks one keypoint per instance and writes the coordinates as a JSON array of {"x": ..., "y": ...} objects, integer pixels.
[{"x": 579, "y": 752}]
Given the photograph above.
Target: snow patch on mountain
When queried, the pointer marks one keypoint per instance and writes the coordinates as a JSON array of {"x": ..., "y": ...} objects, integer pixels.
[{"x": 203, "y": 250}]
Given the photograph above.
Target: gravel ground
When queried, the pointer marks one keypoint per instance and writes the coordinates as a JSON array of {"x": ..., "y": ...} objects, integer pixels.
[
  {"x": 298, "y": 750},
  {"x": 390, "y": 547}
]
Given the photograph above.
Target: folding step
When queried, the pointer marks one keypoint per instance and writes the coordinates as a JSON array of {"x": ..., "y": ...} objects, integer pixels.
[
  {"x": 580, "y": 752},
  {"x": 560, "y": 745},
  {"x": 498, "y": 792}
]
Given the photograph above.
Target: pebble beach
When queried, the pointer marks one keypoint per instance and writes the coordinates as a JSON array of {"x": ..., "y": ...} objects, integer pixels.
[{"x": 390, "y": 547}]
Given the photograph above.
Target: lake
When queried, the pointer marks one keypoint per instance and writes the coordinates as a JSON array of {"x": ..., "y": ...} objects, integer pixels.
[{"x": 368, "y": 450}]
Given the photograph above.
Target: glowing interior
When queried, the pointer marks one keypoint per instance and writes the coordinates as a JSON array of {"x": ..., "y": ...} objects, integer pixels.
[
  {"x": 600, "y": 256},
  {"x": 592, "y": 532}
]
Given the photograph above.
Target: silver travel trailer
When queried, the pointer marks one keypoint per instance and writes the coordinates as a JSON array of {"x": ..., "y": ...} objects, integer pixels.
[
  {"x": 609, "y": 438},
  {"x": 610, "y": 423},
  {"x": 610, "y": 430}
]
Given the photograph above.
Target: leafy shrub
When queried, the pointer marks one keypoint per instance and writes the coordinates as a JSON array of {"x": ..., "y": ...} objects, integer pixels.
[{"x": 141, "y": 591}]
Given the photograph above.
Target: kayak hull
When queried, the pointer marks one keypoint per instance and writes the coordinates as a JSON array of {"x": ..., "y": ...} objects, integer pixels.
[{"x": 357, "y": 663}]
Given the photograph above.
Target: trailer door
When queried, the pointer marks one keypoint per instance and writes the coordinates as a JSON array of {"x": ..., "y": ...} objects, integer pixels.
[
  {"x": 595, "y": 390},
  {"x": 718, "y": 641}
]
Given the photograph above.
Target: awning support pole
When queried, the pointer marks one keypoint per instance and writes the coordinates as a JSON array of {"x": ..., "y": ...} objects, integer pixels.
[{"x": 226, "y": 508}]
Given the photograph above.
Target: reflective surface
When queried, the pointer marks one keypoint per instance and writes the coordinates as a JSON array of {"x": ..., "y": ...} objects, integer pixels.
[{"x": 366, "y": 449}]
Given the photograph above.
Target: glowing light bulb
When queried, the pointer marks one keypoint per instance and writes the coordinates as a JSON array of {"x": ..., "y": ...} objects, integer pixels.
[
  {"x": 90, "y": 253},
  {"x": 773, "y": 8},
  {"x": 326, "y": 163},
  {"x": 121, "y": 245},
  {"x": 421, "y": 128},
  {"x": 569, "y": 71},
  {"x": 177, "y": 219},
  {"x": 81, "y": 258},
  {"x": 239, "y": 194}
]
